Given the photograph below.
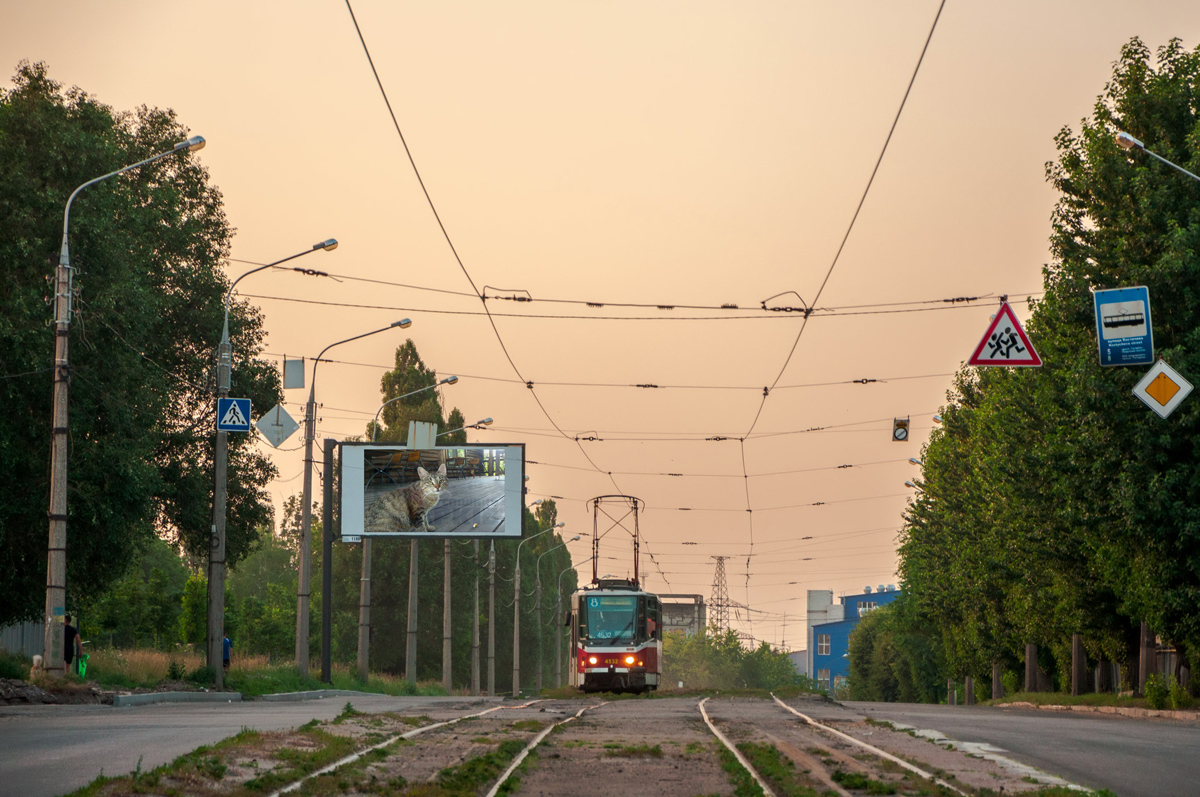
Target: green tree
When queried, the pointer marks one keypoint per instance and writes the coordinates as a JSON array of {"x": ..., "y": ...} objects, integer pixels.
[
  {"x": 146, "y": 248},
  {"x": 1053, "y": 501}
]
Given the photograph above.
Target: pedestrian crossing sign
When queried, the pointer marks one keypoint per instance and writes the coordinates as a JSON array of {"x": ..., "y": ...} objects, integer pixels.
[
  {"x": 233, "y": 415},
  {"x": 1005, "y": 343}
]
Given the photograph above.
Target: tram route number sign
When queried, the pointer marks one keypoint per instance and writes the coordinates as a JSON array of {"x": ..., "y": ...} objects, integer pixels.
[{"x": 1124, "y": 333}]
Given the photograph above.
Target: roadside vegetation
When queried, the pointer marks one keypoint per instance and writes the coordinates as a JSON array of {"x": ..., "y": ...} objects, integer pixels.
[{"x": 1051, "y": 501}]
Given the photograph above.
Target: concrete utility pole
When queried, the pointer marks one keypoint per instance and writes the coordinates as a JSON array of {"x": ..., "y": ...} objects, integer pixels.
[
  {"x": 410, "y": 655},
  {"x": 327, "y": 566},
  {"x": 475, "y": 626},
  {"x": 491, "y": 689},
  {"x": 446, "y": 649},
  {"x": 364, "y": 613},
  {"x": 1031, "y": 668},
  {"x": 1079, "y": 666},
  {"x": 56, "y": 550},
  {"x": 310, "y": 420},
  {"x": 420, "y": 435},
  {"x": 1147, "y": 656},
  {"x": 364, "y": 607},
  {"x": 216, "y": 559}
]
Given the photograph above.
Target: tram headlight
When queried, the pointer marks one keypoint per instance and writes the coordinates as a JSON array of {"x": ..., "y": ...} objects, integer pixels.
[
  {"x": 591, "y": 659},
  {"x": 629, "y": 659}
]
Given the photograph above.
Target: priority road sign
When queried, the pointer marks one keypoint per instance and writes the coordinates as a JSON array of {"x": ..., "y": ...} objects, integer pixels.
[
  {"x": 277, "y": 425},
  {"x": 1005, "y": 343},
  {"x": 233, "y": 415},
  {"x": 1123, "y": 329},
  {"x": 1162, "y": 389}
]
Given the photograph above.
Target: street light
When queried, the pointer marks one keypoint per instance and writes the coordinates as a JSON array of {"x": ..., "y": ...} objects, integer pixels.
[
  {"x": 559, "y": 612},
  {"x": 1128, "y": 142},
  {"x": 216, "y": 557},
  {"x": 310, "y": 413},
  {"x": 56, "y": 559},
  {"x": 450, "y": 380},
  {"x": 516, "y": 687},
  {"x": 537, "y": 570}
]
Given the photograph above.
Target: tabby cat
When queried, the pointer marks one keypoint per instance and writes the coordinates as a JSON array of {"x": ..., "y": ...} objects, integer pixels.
[{"x": 407, "y": 509}]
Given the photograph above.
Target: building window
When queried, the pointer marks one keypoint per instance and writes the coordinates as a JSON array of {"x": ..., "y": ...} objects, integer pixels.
[
  {"x": 866, "y": 606},
  {"x": 822, "y": 644},
  {"x": 823, "y": 679}
]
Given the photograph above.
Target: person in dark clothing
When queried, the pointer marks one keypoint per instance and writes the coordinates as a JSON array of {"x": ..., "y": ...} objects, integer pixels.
[
  {"x": 227, "y": 651},
  {"x": 72, "y": 645}
]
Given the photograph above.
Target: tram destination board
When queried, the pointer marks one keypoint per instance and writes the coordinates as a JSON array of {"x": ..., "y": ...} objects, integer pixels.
[{"x": 444, "y": 491}]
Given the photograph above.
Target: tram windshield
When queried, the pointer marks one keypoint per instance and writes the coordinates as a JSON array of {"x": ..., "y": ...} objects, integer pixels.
[{"x": 612, "y": 618}]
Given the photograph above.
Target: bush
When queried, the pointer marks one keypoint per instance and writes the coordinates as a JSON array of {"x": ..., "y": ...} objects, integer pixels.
[
  {"x": 1157, "y": 691},
  {"x": 14, "y": 665},
  {"x": 1180, "y": 699}
]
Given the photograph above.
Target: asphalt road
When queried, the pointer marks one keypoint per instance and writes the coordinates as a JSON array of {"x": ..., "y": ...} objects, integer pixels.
[
  {"x": 51, "y": 750},
  {"x": 1130, "y": 757}
]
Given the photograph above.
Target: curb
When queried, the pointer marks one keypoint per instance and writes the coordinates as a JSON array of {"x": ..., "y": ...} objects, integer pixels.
[
  {"x": 317, "y": 694},
  {"x": 1141, "y": 713},
  {"x": 176, "y": 697}
]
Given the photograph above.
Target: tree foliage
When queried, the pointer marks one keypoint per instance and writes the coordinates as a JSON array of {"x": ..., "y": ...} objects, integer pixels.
[
  {"x": 1053, "y": 502},
  {"x": 146, "y": 247},
  {"x": 719, "y": 661}
]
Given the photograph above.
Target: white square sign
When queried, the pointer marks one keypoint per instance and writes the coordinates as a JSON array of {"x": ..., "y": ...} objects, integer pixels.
[{"x": 1162, "y": 389}]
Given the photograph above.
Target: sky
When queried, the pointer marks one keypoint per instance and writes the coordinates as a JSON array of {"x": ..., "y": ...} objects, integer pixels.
[{"x": 665, "y": 154}]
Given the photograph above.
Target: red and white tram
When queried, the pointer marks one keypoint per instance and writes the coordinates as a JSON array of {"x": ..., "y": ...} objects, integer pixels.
[{"x": 616, "y": 626}]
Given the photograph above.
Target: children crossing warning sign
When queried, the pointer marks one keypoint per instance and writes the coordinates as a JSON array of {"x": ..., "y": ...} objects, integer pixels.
[{"x": 1005, "y": 343}]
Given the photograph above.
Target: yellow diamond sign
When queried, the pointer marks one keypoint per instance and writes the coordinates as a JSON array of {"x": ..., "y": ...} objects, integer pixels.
[{"x": 1162, "y": 389}]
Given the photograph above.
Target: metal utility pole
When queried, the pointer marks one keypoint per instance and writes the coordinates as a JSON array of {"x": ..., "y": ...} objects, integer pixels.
[
  {"x": 216, "y": 559},
  {"x": 446, "y": 651},
  {"x": 310, "y": 419},
  {"x": 56, "y": 550},
  {"x": 364, "y": 613},
  {"x": 720, "y": 596},
  {"x": 491, "y": 690},
  {"x": 475, "y": 627}
]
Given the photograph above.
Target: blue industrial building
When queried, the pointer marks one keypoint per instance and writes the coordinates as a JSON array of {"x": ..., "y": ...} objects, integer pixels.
[{"x": 829, "y": 627}]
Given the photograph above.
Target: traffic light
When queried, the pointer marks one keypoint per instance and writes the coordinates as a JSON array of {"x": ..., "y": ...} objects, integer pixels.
[{"x": 900, "y": 430}]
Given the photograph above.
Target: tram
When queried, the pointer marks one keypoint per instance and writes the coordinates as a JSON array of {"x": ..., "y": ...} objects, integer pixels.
[
  {"x": 616, "y": 626},
  {"x": 616, "y": 638}
]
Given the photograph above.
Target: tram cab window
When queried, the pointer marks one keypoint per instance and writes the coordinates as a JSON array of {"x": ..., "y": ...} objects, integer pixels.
[{"x": 610, "y": 619}]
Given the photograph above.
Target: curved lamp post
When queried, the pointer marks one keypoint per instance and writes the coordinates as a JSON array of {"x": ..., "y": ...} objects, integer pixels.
[
  {"x": 1128, "y": 142},
  {"x": 216, "y": 557},
  {"x": 516, "y": 687},
  {"x": 450, "y": 380},
  {"x": 310, "y": 413},
  {"x": 56, "y": 560},
  {"x": 558, "y": 609},
  {"x": 537, "y": 569}
]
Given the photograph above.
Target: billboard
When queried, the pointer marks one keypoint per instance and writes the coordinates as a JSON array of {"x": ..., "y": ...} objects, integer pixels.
[{"x": 445, "y": 491}]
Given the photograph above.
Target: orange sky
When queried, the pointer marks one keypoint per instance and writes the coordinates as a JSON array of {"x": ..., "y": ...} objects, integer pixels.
[{"x": 667, "y": 153}]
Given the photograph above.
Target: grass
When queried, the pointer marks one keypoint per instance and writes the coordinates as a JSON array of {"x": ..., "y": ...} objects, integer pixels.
[
  {"x": 635, "y": 751},
  {"x": 778, "y": 770},
  {"x": 743, "y": 782},
  {"x": 251, "y": 675},
  {"x": 1061, "y": 699}
]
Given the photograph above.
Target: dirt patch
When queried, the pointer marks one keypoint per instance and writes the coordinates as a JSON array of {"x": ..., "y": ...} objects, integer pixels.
[
  {"x": 19, "y": 693},
  {"x": 621, "y": 748}
]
